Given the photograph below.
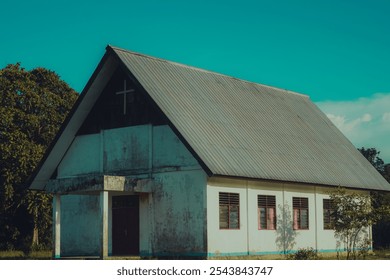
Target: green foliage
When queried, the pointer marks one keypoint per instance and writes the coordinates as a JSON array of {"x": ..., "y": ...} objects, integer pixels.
[
  {"x": 304, "y": 254},
  {"x": 372, "y": 155},
  {"x": 381, "y": 229},
  {"x": 387, "y": 172},
  {"x": 33, "y": 104},
  {"x": 352, "y": 214}
]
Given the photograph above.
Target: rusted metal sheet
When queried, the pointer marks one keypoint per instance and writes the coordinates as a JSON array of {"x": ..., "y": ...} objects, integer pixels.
[{"x": 243, "y": 129}]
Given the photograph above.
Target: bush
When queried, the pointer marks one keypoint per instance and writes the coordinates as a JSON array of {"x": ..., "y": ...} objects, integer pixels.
[{"x": 304, "y": 254}]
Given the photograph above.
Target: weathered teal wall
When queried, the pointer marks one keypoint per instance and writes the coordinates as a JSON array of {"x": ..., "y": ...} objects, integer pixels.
[
  {"x": 172, "y": 217},
  {"x": 126, "y": 151},
  {"x": 180, "y": 213},
  {"x": 80, "y": 225},
  {"x": 169, "y": 151},
  {"x": 83, "y": 157},
  {"x": 179, "y": 201}
]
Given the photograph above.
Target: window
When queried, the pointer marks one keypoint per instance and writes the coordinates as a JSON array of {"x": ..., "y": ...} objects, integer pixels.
[
  {"x": 327, "y": 210},
  {"x": 229, "y": 210},
  {"x": 266, "y": 211},
  {"x": 301, "y": 213}
]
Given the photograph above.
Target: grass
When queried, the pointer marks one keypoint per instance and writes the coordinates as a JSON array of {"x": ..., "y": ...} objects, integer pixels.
[
  {"x": 383, "y": 254},
  {"x": 19, "y": 255},
  {"x": 379, "y": 255}
]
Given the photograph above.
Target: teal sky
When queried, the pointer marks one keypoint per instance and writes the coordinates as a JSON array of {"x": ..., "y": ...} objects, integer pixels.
[{"x": 334, "y": 51}]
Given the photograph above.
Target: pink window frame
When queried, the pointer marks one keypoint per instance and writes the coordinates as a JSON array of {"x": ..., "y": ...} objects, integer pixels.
[
  {"x": 229, "y": 206},
  {"x": 271, "y": 222},
  {"x": 297, "y": 214}
]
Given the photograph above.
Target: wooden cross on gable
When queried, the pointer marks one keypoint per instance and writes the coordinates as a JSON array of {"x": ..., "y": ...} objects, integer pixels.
[{"x": 125, "y": 91}]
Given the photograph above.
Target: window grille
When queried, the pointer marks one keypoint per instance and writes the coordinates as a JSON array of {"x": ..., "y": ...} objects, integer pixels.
[
  {"x": 301, "y": 213},
  {"x": 229, "y": 210},
  {"x": 327, "y": 212},
  {"x": 266, "y": 205}
]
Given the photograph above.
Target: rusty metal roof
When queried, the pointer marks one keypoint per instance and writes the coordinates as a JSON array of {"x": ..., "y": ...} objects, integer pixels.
[{"x": 244, "y": 129}]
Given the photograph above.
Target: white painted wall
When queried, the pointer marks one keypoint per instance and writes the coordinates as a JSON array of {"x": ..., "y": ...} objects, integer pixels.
[
  {"x": 260, "y": 240},
  {"x": 325, "y": 237},
  {"x": 226, "y": 241},
  {"x": 249, "y": 239}
]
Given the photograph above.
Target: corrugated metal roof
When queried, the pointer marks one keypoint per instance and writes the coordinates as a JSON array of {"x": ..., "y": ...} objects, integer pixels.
[{"x": 244, "y": 129}]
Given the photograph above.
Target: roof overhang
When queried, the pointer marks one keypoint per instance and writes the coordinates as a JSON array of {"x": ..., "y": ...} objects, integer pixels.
[{"x": 72, "y": 123}]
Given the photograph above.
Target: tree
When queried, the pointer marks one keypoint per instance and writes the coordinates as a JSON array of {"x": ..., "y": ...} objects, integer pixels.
[
  {"x": 372, "y": 155},
  {"x": 381, "y": 228},
  {"x": 33, "y": 104},
  {"x": 387, "y": 172},
  {"x": 352, "y": 215}
]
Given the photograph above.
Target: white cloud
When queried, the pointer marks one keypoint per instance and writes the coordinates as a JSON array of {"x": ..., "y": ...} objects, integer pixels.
[
  {"x": 366, "y": 118},
  {"x": 386, "y": 117},
  {"x": 365, "y": 121},
  {"x": 349, "y": 125},
  {"x": 339, "y": 121}
]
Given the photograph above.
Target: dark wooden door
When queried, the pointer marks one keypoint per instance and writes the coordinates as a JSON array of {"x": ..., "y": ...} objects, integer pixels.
[{"x": 125, "y": 225}]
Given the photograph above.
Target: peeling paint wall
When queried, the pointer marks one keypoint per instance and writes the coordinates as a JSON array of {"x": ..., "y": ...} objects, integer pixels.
[
  {"x": 172, "y": 216},
  {"x": 126, "y": 149},
  {"x": 129, "y": 150},
  {"x": 249, "y": 240},
  {"x": 179, "y": 213},
  {"x": 179, "y": 201},
  {"x": 112, "y": 151},
  {"x": 81, "y": 225}
]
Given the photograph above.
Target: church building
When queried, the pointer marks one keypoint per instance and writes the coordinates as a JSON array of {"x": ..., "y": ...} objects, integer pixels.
[{"x": 162, "y": 159}]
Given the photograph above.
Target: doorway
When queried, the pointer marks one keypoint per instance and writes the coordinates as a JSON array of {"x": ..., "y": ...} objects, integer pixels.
[{"x": 125, "y": 225}]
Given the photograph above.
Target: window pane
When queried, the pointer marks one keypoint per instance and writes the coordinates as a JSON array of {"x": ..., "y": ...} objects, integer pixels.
[
  {"x": 327, "y": 219},
  {"x": 266, "y": 205},
  {"x": 304, "y": 219},
  {"x": 301, "y": 213},
  {"x": 326, "y": 216},
  {"x": 229, "y": 210},
  {"x": 295, "y": 219},
  {"x": 223, "y": 216},
  {"x": 271, "y": 218},
  {"x": 234, "y": 217},
  {"x": 263, "y": 221},
  {"x": 327, "y": 208}
]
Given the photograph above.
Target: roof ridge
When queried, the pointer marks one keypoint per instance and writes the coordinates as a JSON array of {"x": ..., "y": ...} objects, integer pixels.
[{"x": 204, "y": 70}]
